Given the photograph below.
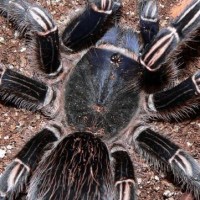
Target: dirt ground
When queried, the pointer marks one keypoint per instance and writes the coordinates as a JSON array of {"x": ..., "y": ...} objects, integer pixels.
[{"x": 17, "y": 126}]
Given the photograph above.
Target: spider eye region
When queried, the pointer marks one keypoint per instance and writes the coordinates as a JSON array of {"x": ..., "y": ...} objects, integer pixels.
[
  {"x": 116, "y": 58},
  {"x": 102, "y": 92}
]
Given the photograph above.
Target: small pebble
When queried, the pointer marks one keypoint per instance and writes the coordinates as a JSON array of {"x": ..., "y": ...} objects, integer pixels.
[
  {"x": 161, "y": 5},
  {"x": 167, "y": 193},
  {"x": 6, "y": 137},
  {"x": 23, "y": 49},
  {"x": 156, "y": 178},
  {"x": 139, "y": 180},
  {"x": 9, "y": 147},
  {"x": 157, "y": 188},
  {"x": 2, "y": 153},
  {"x": 16, "y": 34},
  {"x": 189, "y": 144},
  {"x": 2, "y": 40}
]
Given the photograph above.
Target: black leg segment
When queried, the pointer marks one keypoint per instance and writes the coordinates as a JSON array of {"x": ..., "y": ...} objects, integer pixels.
[
  {"x": 125, "y": 181},
  {"x": 47, "y": 46},
  {"x": 81, "y": 30},
  {"x": 164, "y": 154},
  {"x": 166, "y": 45},
  {"x": 18, "y": 172},
  {"x": 188, "y": 21},
  {"x": 178, "y": 102},
  {"x": 22, "y": 91},
  {"x": 36, "y": 22},
  {"x": 149, "y": 22},
  {"x": 48, "y": 52}
]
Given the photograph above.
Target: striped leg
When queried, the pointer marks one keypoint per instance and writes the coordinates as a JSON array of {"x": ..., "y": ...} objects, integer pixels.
[
  {"x": 159, "y": 58},
  {"x": 163, "y": 153},
  {"x": 164, "y": 45},
  {"x": 22, "y": 91},
  {"x": 34, "y": 20},
  {"x": 84, "y": 28},
  {"x": 17, "y": 174},
  {"x": 125, "y": 181},
  {"x": 149, "y": 22},
  {"x": 178, "y": 102}
]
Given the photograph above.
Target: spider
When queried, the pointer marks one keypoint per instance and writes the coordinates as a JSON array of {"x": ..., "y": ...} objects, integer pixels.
[{"x": 100, "y": 107}]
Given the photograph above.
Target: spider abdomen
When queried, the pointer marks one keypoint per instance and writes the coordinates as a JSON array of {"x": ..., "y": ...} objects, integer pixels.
[{"x": 78, "y": 167}]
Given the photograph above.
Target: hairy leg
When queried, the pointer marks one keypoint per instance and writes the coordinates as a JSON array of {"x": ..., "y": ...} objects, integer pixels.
[
  {"x": 17, "y": 174},
  {"x": 165, "y": 155},
  {"x": 34, "y": 21},
  {"x": 178, "y": 102},
  {"x": 88, "y": 24}
]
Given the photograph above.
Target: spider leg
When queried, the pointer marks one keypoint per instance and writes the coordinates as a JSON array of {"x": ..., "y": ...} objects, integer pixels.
[
  {"x": 160, "y": 56},
  {"x": 17, "y": 174},
  {"x": 125, "y": 180},
  {"x": 167, "y": 40},
  {"x": 178, "y": 102},
  {"x": 166, "y": 155},
  {"x": 34, "y": 21},
  {"x": 23, "y": 92},
  {"x": 82, "y": 29},
  {"x": 149, "y": 21}
]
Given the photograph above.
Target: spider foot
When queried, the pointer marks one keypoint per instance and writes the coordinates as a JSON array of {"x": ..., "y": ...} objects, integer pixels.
[{"x": 81, "y": 31}]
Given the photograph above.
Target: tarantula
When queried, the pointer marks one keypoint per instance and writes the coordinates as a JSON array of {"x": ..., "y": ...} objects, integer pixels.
[{"x": 99, "y": 108}]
